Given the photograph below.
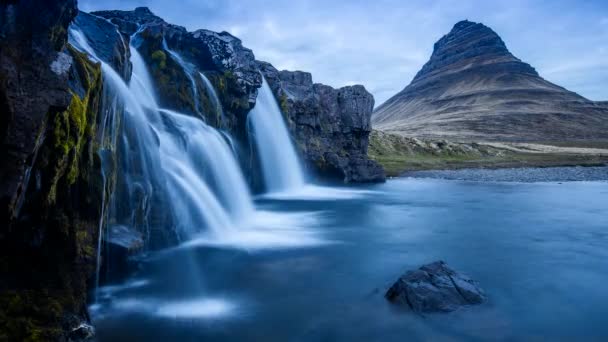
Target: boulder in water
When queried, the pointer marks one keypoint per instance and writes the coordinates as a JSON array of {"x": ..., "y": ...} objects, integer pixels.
[
  {"x": 435, "y": 288},
  {"x": 124, "y": 238}
]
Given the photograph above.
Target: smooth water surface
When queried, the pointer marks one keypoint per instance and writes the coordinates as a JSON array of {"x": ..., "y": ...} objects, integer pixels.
[{"x": 539, "y": 250}]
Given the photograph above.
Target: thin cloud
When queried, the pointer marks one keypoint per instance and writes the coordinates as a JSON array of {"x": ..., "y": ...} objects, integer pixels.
[{"x": 383, "y": 44}]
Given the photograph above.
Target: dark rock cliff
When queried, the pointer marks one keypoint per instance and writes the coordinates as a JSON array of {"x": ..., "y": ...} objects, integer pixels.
[
  {"x": 221, "y": 57},
  {"x": 330, "y": 126},
  {"x": 473, "y": 88},
  {"x": 51, "y": 181}
]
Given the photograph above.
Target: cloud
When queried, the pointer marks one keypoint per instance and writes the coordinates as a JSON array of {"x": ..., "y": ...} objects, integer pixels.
[{"x": 382, "y": 44}]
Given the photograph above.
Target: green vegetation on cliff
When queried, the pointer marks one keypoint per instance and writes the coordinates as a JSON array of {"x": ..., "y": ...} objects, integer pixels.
[{"x": 56, "y": 233}]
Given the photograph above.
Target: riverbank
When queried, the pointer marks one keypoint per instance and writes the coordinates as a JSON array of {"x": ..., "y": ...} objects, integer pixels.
[{"x": 400, "y": 154}]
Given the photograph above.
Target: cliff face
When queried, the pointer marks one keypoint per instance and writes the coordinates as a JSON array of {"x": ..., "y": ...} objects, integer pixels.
[
  {"x": 51, "y": 181},
  {"x": 330, "y": 126},
  {"x": 473, "y": 88}
]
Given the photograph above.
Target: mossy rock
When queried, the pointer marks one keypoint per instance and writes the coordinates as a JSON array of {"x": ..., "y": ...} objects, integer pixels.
[{"x": 56, "y": 233}]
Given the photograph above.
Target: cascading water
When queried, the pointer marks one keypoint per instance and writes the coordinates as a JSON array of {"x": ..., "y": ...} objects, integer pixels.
[
  {"x": 188, "y": 70},
  {"x": 168, "y": 156},
  {"x": 215, "y": 101},
  {"x": 188, "y": 140},
  {"x": 280, "y": 165}
]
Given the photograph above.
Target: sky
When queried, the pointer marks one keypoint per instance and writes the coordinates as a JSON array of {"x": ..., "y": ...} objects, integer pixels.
[{"x": 383, "y": 43}]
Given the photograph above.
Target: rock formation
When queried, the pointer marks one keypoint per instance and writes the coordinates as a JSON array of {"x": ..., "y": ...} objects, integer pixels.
[
  {"x": 108, "y": 43},
  {"x": 435, "y": 288},
  {"x": 330, "y": 126},
  {"x": 220, "y": 56},
  {"x": 473, "y": 88},
  {"x": 50, "y": 177}
]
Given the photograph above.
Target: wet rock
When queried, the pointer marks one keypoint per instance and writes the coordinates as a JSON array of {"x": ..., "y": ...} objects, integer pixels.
[
  {"x": 123, "y": 244},
  {"x": 83, "y": 332},
  {"x": 50, "y": 179},
  {"x": 230, "y": 67},
  {"x": 130, "y": 21},
  {"x": 435, "y": 288},
  {"x": 125, "y": 238},
  {"x": 330, "y": 126},
  {"x": 108, "y": 43}
]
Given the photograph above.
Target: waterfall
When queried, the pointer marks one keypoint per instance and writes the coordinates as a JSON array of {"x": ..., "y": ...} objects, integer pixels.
[
  {"x": 204, "y": 153},
  {"x": 188, "y": 70},
  {"x": 280, "y": 165},
  {"x": 141, "y": 82},
  {"x": 204, "y": 150},
  {"x": 215, "y": 101},
  {"x": 169, "y": 157}
]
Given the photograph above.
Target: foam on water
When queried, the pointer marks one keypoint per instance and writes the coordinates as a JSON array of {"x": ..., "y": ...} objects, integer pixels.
[
  {"x": 196, "y": 308},
  {"x": 314, "y": 192},
  {"x": 267, "y": 230}
]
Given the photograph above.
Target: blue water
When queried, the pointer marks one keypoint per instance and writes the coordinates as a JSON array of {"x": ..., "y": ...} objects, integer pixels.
[{"x": 538, "y": 249}]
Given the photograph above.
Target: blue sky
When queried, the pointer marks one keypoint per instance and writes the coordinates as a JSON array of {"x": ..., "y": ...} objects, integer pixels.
[{"x": 383, "y": 43}]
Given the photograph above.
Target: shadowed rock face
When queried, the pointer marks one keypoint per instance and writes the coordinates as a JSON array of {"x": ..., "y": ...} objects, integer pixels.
[
  {"x": 330, "y": 126},
  {"x": 108, "y": 43},
  {"x": 51, "y": 186},
  {"x": 473, "y": 88},
  {"x": 230, "y": 66}
]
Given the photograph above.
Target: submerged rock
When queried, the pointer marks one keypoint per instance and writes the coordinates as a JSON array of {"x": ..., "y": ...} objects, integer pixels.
[
  {"x": 435, "y": 288},
  {"x": 128, "y": 239}
]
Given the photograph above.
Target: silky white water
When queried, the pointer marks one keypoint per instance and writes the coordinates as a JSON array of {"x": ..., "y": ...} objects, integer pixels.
[
  {"x": 280, "y": 164},
  {"x": 188, "y": 70},
  {"x": 215, "y": 101},
  {"x": 206, "y": 183},
  {"x": 171, "y": 156}
]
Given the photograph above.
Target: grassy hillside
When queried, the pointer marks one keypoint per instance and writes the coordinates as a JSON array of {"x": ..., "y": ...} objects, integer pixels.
[{"x": 399, "y": 154}]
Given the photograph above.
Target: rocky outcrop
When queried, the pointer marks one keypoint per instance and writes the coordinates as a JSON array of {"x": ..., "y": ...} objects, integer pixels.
[
  {"x": 474, "y": 89},
  {"x": 434, "y": 288},
  {"x": 51, "y": 182},
  {"x": 107, "y": 42},
  {"x": 330, "y": 127},
  {"x": 230, "y": 67}
]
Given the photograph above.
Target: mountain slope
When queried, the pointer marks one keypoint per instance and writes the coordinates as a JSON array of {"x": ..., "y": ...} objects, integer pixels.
[{"x": 473, "y": 88}]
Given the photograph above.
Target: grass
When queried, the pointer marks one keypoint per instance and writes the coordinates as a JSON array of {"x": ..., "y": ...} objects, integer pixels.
[{"x": 398, "y": 155}]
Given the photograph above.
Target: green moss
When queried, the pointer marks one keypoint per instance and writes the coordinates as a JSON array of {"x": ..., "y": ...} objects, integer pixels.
[
  {"x": 58, "y": 36},
  {"x": 75, "y": 126},
  {"x": 84, "y": 241},
  {"x": 284, "y": 103},
  {"x": 160, "y": 58},
  {"x": 28, "y": 316}
]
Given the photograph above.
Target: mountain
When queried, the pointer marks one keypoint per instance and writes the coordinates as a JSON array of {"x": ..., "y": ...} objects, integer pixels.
[{"x": 474, "y": 89}]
